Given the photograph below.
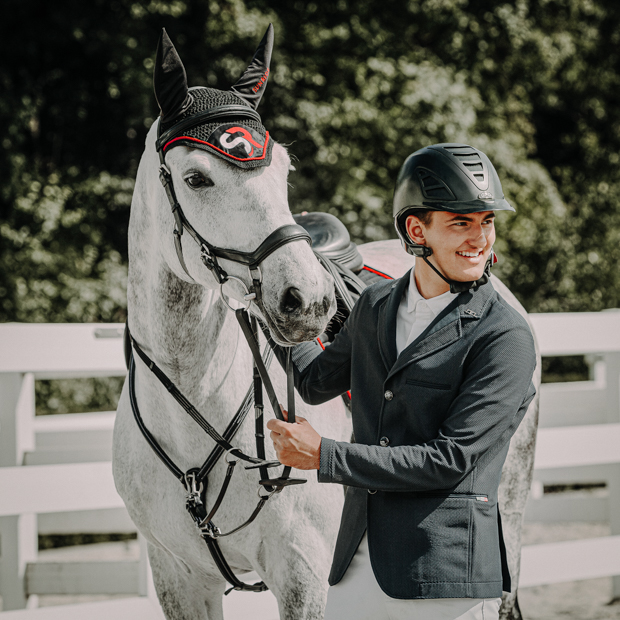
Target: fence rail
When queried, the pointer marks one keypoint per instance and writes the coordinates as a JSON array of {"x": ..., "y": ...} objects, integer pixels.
[{"x": 56, "y": 476}]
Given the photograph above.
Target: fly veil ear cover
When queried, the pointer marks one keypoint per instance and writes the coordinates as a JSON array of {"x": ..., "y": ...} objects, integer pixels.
[{"x": 237, "y": 134}]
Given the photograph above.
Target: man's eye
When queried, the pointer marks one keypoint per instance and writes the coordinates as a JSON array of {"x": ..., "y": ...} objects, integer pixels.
[{"x": 197, "y": 180}]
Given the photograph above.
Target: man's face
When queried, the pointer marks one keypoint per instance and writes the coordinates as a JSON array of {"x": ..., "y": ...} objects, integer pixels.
[{"x": 461, "y": 243}]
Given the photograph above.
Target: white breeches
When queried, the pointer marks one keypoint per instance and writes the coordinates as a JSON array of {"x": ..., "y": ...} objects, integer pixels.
[{"x": 358, "y": 596}]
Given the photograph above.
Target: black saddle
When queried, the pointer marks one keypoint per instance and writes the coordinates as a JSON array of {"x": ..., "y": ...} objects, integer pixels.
[{"x": 331, "y": 238}]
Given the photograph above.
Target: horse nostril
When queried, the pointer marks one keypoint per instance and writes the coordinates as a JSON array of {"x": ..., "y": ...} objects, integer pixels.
[
  {"x": 291, "y": 301},
  {"x": 326, "y": 304}
]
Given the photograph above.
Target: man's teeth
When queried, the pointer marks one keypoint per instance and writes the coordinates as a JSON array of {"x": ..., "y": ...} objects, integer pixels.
[{"x": 469, "y": 254}]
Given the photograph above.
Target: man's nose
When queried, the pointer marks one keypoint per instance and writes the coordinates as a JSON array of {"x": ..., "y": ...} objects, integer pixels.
[{"x": 478, "y": 235}]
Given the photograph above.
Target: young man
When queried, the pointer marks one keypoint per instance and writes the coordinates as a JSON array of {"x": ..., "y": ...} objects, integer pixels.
[{"x": 440, "y": 368}]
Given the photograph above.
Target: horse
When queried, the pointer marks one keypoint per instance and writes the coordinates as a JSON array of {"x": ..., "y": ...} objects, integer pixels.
[{"x": 179, "y": 311}]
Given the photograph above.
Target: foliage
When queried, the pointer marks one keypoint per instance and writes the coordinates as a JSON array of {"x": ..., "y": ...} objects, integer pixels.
[
  {"x": 77, "y": 395},
  {"x": 355, "y": 87}
]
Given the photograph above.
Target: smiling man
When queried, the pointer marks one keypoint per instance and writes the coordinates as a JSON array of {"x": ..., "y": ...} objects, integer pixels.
[{"x": 440, "y": 371}]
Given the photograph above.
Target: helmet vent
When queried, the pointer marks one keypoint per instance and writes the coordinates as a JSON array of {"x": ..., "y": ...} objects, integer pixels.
[
  {"x": 433, "y": 187},
  {"x": 473, "y": 164}
]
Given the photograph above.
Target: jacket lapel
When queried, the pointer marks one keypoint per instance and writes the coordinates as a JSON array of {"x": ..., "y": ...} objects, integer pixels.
[
  {"x": 387, "y": 320},
  {"x": 447, "y": 327}
]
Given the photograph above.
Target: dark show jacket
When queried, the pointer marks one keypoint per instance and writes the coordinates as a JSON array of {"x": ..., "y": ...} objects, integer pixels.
[{"x": 432, "y": 430}]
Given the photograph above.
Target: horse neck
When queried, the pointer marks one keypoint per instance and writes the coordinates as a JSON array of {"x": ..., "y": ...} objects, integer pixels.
[{"x": 185, "y": 328}]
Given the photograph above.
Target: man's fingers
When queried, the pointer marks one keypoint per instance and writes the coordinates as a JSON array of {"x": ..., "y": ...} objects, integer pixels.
[
  {"x": 273, "y": 425},
  {"x": 284, "y": 412},
  {"x": 277, "y": 426}
]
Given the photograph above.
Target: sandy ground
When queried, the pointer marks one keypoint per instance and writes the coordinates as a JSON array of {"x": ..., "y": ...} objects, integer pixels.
[
  {"x": 581, "y": 600},
  {"x": 575, "y": 600}
]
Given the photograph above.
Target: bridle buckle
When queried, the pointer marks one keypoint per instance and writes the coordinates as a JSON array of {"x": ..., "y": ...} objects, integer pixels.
[
  {"x": 194, "y": 490},
  {"x": 165, "y": 176}
]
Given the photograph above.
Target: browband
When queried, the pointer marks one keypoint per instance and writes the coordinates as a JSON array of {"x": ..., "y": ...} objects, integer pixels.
[{"x": 218, "y": 112}]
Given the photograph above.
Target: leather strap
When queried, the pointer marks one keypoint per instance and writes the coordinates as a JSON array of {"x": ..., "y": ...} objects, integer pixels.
[
  {"x": 226, "y": 571},
  {"x": 165, "y": 459},
  {"x": 279, "y": 237},
  {"x": 244, "y": 322},
  {"x": 193, "y": 412}
]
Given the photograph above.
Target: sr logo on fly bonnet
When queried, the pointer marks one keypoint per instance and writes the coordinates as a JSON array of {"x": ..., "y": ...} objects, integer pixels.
[{"x": 238, "y": 143}]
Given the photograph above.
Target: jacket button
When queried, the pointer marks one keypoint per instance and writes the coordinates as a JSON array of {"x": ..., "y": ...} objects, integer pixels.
[
  {"x": 384, "y": 441},
  {"x": 389, "y": 395}
]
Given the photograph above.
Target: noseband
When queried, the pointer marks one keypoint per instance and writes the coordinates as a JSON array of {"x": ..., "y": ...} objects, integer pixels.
[{"x": 208, "y": 252}]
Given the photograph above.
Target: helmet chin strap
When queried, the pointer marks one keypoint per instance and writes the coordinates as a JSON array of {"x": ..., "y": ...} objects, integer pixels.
[{"x": 455, "y": 286}]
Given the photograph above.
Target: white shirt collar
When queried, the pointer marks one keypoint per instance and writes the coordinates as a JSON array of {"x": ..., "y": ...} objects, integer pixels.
[{"x": 434, "y": 304}]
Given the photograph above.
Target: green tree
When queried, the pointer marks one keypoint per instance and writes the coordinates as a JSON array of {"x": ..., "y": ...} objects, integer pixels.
[{"x": 355, "y": 87}]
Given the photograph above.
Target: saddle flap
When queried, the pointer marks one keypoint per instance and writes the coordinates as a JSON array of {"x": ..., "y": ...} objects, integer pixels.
[{"x": 331, "y": 238}]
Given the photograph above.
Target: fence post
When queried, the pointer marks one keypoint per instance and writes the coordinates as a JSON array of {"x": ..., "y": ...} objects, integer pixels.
[
  {"x": 18, "y": 534},
  {"x": 146, "y": 587},
  {"x": 613, "y": 486},
  {"x": 612, "y": 380}
]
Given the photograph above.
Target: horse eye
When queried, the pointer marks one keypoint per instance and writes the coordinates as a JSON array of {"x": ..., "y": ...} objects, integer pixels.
[{"x": 197, "y": 180}]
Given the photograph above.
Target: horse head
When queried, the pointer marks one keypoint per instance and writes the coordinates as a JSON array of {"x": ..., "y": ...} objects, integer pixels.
[{"x": 226, "y": 181}]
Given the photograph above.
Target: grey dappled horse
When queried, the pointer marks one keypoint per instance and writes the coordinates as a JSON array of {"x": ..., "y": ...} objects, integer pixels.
[{"x": 182, "y": 323}]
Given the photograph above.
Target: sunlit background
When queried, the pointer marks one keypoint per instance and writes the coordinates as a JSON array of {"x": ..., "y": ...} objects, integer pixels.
[{"x": 354, "y": 88}]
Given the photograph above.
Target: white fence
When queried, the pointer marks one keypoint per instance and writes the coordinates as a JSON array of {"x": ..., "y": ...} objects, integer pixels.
[{"x": 55, "y": 472}]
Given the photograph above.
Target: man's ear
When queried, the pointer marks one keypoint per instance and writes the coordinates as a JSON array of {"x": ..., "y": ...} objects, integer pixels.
[{"x": 415, "y": 229}]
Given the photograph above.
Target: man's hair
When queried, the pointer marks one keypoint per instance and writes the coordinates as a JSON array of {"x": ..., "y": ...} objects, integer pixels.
[{"x": 424, "y": 215}]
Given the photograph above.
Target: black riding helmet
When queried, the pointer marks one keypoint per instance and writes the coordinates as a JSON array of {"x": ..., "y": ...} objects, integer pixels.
[{"x": 446, "y": 177}]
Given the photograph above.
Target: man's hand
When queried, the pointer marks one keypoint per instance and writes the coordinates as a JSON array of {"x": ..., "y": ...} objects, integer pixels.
[{"x": 297, "y": 445}]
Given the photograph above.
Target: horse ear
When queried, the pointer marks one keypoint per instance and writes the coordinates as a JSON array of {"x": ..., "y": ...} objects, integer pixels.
[
  {"x": 170, "y": 80},
  {"x": 251, "y": 85}
]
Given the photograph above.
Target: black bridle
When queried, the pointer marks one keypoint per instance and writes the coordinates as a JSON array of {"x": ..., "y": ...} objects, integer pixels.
[
  {"x": 210, "y": 253},
  {"x": 195, "y": 479}
]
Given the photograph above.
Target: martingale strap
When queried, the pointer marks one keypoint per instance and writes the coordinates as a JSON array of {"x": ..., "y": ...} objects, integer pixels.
[
  {"x": 193, "y": 412},
  {"x": 195, "y": 480}
]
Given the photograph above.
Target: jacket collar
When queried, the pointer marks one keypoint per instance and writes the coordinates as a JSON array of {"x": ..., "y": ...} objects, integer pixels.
[
  {"x": 443, "y": 330},
  {"x": 387, "y": 320}
]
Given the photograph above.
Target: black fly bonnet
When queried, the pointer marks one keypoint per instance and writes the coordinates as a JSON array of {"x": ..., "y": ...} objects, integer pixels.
[{"x": 226, "y": 124}]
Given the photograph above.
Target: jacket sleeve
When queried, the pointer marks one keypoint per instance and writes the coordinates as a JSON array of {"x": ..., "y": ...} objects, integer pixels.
[
  {"x": 493, "y": 398},
  {"x": 321, "y": 375}
]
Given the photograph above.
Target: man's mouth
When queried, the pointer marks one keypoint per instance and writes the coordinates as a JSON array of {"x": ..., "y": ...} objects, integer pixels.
[{"x": 474, "y": 254}]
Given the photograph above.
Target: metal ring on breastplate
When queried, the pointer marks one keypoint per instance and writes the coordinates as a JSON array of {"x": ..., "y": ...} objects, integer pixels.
[
  {"x": 268, "y": 494},
  {"x": 248, "y": 297},
  {"x": 228, "y": 453}
]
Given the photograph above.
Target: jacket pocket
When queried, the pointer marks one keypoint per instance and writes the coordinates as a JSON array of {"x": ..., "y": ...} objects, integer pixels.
[
  {"x": 486, "y": 558},
  {"x": 420, "y": 538},
  {"x": 427, "y": 384}
]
